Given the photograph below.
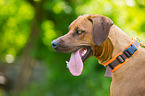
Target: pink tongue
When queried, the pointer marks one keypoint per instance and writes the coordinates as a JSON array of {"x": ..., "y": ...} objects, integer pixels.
[{"x": 76, "y": 64}]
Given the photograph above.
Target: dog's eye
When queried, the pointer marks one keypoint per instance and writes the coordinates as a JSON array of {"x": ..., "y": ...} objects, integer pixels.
[{"x": 79, "y": 32}]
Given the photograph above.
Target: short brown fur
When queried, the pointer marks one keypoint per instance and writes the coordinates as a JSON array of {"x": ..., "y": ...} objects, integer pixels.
[{"x": 129, "y": 80}]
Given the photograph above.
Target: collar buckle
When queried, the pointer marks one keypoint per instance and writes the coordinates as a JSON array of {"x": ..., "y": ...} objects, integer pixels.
[
  {"x": 122, "y": 57},
  {"x": 130, "y": 51}
]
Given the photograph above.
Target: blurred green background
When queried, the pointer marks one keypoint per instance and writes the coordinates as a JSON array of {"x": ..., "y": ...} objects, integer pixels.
[{"x": 29, "y": 64}]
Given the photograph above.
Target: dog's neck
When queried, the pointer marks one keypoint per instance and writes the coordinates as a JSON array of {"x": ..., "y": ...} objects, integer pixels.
[
  {"x": 112, "y": 45},
  {"x": 103, "y": 52},
  {"x": 119, "y": 39}
]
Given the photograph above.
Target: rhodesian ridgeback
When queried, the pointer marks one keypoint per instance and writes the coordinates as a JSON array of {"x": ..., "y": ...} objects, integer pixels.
[{"x": 96, "y": 35}]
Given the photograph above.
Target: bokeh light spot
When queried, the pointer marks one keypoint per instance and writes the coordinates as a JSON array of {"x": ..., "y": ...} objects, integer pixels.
[
  {"x": 48, "y": 32},
  {"x": 130, "y": 2},
  {"x": 9, "y": 58}
]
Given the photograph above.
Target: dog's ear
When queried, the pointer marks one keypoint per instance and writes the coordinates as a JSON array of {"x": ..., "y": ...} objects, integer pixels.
[{"x": 101, "y": 27}]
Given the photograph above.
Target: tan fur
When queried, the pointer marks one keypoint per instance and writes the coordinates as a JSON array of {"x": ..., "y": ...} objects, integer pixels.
[{"x": 129, "y": 80}]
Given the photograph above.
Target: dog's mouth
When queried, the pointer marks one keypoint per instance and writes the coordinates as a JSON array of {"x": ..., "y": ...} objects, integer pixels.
[
  {"x": 85, "y": 53},
  {"x": 77, "y": 58}
]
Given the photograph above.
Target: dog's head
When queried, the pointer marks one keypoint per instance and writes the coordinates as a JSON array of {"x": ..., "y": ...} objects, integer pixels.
[{"x": 84, "y": 33}]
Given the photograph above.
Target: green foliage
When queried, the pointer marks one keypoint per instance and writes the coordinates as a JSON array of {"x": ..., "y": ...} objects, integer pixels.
[
  {"x": 52, "y": 17},
  {"x": 15, "y": 17}
]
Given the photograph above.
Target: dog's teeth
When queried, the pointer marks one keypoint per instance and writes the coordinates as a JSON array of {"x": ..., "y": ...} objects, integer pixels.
[
  {"x": 67, "y": 64},
  {"x": 85, "y": 51}
]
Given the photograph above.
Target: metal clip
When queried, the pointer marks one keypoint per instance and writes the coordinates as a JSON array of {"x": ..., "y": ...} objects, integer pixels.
[{"x": 141, "y": 44}]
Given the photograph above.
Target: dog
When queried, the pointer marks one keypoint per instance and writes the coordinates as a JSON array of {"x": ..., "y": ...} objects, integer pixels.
[{"x": 96, "y": 35}]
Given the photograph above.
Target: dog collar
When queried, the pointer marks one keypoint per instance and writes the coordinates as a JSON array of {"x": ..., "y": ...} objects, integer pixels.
[{"x": 121, "y": 58}]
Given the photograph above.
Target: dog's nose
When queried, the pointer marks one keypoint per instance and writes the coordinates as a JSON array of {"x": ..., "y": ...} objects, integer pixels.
[{"x": 54, "y": 44}]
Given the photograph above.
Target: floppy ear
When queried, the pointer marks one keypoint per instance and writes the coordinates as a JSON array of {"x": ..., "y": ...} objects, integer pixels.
[{"x": 101, "y": 27}]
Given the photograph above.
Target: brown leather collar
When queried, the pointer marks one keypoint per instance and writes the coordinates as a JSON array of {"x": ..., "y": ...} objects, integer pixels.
[{"x": 121, "y": 58}]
